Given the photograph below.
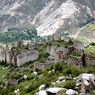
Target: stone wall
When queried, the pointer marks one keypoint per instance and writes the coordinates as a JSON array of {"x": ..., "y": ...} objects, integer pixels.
[
  {"x": 57, "y": 53},
  {"x": 74, "y": 61},
  {"x": 26, "y": 57},
  {"x": 77, "y": 61},
  {"x": 2, "y": 55},
  {"x": 41, "y": 66},
  {"x": 18, "y": 59},
  {"x": 90, "y": 60}
]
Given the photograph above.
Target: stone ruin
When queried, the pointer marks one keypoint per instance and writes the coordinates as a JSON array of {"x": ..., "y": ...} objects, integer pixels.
[
  {"x": 18, "y": 58},
  {"x": 57, "y": 53}
]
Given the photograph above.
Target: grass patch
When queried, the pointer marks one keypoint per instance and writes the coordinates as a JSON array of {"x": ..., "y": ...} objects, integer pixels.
[
  {"x": 30, "y": 86},
  {"x": 3, "y": 73},
  {"x": 83, "y": 39},
  {"x": 90, "y": 50}
]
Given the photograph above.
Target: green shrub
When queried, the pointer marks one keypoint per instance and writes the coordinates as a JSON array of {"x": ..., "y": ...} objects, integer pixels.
[
  {"x": 15, "y": 76},
  {"x": 1, "y": 82},
  {"x": 32, "y": 87},
  {"x": 7, "y": 91},
  {"x": 36, "y": 83},
  {"x": 88, "y": 69},
  {"x": 71, "y": 70},
  {"x": 50, "y": 68},
  {"x": 30, "y": 77},
  {"x": 69, "y": 84},
  {"x": 58, "y": 67}
]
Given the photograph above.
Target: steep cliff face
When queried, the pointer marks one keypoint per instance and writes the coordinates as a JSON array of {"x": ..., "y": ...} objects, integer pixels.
[
  {"x": 63, "y": 15},
  {"x": 49, "y": 16}
]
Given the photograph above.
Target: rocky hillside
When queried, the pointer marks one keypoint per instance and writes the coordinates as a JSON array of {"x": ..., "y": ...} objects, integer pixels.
[
  {"x": 27, "y": 79},
  {"x": 18, "y": 12},
  {"x": 85, "y": 34},
  {"x": 63, "y": 15},
  {"x": 49, "y": 16}
]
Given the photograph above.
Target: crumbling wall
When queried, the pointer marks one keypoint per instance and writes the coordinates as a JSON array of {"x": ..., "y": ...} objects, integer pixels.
[
  {"x": 57, "y": 53},
  {"x": 74, "y": 61},
  {"x": 90, "y": 60},
  {"x": 41, "y": 66},
  {"x": 27, "y": 56}
]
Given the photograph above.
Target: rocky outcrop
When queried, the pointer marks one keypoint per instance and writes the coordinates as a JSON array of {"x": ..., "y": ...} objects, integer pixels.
[{"x": 87, "y": 82}]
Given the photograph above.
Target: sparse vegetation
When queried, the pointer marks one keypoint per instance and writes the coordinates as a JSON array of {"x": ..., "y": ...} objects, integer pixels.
[
  {"x": 90, "y": 50},
  {"x": 67, "y": 84},
  {"x": 86, "y": 33},
  {"x": 31, "y": 85},
  {"x": 42, "y": 48}
]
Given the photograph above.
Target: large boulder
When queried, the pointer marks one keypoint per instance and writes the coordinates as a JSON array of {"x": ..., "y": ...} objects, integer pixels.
[{"x": 86, "y": 81}]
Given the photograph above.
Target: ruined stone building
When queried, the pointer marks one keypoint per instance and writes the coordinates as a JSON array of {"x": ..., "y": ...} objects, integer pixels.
[
  {"x": 12, "y": 56},
  {"x": 78, "y": 47},
  {"x": 2, "y": 54},
  {"x": 56, "y": 53},
  {"x": 23, "y": 57},
  {"x": 27, "y": 56}
]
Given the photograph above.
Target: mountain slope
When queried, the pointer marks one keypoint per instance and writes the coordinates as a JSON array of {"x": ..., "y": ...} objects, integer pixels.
[
  {"x": 48, "y": 16},
  {"x": 85, "y": 34},
  {"x": 61, "y": 15},
  {"x": 18, "y": 12}
]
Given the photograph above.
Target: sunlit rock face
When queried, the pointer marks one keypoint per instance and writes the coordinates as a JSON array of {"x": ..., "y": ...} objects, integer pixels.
[
  {"x": 52, "y": 17},
  {"x": 49, "y": 16},
  {"x": 60, "y": 15}
]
